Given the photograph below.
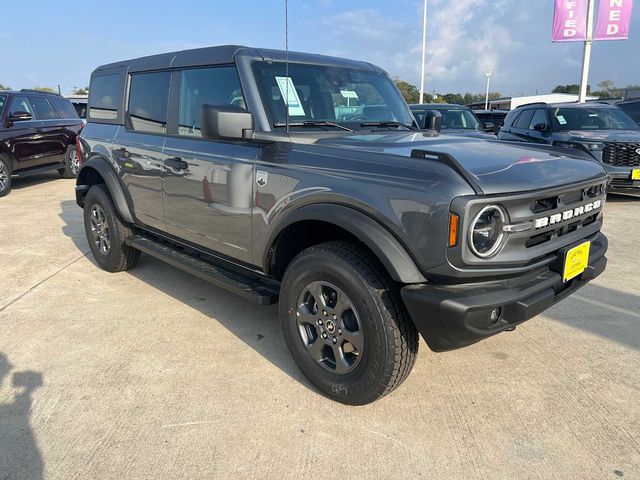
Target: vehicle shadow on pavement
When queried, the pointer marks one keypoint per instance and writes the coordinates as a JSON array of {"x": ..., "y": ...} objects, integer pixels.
[
  {"x": 33, "y": 180},
  {"x": 256, "y": 326},
  {"x": 601, "y": 311},
  {"x": 20, "y": 456}
]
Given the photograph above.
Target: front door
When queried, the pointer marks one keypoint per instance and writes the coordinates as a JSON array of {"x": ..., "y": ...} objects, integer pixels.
[
  {"x": 27, "y": 141},
  {"x": 208, "y": 184}
]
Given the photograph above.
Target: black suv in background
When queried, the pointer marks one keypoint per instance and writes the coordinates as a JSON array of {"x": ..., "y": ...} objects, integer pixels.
[
  {"x": 455, "y": 118},
  {"x": 631, "y": 108},
  {"x": 492, "y": 119},
  {"x": 602, "y": 131},
  {"x": 37, "y": 133},
  {"x": 303, "y": 179}
]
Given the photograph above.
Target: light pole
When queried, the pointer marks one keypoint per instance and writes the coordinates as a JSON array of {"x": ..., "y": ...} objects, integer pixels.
[
  {"x": 586, "y": 58},
  {"x": 488, "y": 73},
  {"x": 424, "y": 48}
]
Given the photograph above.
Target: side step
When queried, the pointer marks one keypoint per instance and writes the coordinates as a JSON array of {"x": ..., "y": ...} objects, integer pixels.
[{"x": 251, "y": 287}]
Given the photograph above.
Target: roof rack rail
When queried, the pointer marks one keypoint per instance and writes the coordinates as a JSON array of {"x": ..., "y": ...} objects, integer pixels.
[
  {"x": 31, "y": 90},
  {"x": 533, "y": 103}
]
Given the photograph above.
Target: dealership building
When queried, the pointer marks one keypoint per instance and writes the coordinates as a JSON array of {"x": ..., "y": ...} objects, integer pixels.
[{"x": 509, "y": 103}]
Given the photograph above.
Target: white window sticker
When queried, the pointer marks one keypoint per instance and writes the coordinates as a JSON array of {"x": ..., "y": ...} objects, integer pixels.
[
  {"x": 349, "y": 94},
  {"x": 285, "y": 84},
  {"x": 561, "y": 120}
]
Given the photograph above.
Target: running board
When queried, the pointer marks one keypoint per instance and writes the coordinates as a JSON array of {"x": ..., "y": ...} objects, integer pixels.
[{"x": 250, "y": 286}]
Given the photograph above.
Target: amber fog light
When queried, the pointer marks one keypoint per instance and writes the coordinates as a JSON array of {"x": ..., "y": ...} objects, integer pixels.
[{"x": 486, "y": 235}]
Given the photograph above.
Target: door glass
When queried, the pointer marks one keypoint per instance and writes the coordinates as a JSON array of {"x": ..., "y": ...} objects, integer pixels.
[
  {"x": 2, "y": 100},
  {"x": 105, "y": 96},
  {"x": 43, "y": 109},
  {"x": 206, "y": 86},
  {"x": 539, "y": 117},
  {"x": 148, "y": 97},
  {"x": 21, "y": 104},
  {"x": 524, "y": 119}
]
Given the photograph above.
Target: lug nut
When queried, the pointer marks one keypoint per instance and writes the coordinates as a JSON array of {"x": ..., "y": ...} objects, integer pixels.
[
  {"x": 324, "y": 335},
  {"x": 324, "y": 312},
  {"x": 339, "y": 331},
  {"x": 334, "y": 340},
  {"x": 320, "y": 322},
  {"x": 334, "y": 317}
]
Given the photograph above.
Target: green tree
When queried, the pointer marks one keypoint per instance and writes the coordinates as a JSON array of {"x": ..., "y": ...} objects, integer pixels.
[
  {"x": 410, "y": 92},
  {"x": 4, "y": 87},
  {"x": 44, "y": 89},
  {"x": 572, "y": 88},
  {"x": 81, "y": 91}
]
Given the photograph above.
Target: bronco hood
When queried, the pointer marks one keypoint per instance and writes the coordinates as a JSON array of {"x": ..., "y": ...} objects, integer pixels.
[{"x": 497, "y": 167}]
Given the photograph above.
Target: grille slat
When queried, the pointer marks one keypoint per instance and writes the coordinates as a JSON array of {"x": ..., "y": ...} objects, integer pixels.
[{"x": 621, "y": 154}]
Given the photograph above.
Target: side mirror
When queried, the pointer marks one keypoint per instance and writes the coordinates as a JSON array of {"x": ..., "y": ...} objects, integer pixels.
[
  {"x": 225, "y": 121},
  {"x": 540, "y": 127},
  {"x": 489, "y": 126},
  {"x": 20, "y": 117},
  {"x": 433, "y": 120}
]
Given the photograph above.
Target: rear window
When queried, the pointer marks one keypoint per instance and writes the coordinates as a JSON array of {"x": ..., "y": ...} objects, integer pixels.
[
  {"x": 148, "y": 98},
  {"x": 64, "y": 107},
  {"x": 104, "y": 96}
]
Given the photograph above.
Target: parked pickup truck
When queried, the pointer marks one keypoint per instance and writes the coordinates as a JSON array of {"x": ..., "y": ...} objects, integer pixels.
[{"x": 304, "y": 179}]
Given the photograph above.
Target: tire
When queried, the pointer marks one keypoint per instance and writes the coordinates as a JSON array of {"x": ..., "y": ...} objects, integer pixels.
[
  {"x": 376, "y": 342},
  {"x": 107, "y": 244},
  {"x": 5, "y": 176},
  {"x": 71, "y": 163}
]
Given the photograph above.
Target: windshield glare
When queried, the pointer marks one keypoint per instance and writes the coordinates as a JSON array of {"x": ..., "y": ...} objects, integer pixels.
[
  {"x": 565, "y": 119},
  {"x": 320, "y": 93}
]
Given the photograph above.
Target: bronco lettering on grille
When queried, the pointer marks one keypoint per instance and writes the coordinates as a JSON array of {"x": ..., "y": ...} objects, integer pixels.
[{"x": 567, "y": 214}]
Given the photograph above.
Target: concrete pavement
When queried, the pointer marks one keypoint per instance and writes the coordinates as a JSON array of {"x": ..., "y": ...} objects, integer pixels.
[{"x": 154, "y": 374}]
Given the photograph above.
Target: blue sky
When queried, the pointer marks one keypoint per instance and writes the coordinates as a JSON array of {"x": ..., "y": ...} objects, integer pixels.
[{"x": 64, "y": 41}]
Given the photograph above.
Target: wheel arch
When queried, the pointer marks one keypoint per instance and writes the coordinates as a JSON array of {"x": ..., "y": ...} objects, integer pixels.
[
  {"x": 97, "y": 170},
  {"x": 317, "y": 223}
]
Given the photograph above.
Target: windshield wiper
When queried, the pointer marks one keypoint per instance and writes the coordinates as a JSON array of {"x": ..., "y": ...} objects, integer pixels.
[
  {"x": 315, "y": 123},
  {"x": 387, "y": 124}
]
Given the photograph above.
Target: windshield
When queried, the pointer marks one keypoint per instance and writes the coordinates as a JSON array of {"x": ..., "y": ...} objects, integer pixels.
[
  {"x": 345, "y": 96},
  {"x": 565, "y": 119}
]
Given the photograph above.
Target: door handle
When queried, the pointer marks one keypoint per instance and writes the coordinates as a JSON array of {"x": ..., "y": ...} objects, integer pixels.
[{"x": 176, "y": 163}]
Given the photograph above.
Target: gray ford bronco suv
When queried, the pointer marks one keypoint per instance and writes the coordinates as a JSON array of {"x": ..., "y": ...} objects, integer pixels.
[{"x": 304, "y": 179}]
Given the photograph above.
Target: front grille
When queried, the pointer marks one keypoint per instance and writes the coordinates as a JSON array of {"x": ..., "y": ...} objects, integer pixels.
[{"x": 621, "y": 154}]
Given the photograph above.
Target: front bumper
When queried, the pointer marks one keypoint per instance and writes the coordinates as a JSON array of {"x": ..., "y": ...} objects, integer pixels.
[
  {"x": 621, "y": 181},
  {"x": 455, "y": 316}
]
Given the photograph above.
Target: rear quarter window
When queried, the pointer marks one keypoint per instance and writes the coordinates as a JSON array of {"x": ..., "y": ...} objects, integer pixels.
[
  {"x": 64, "y": 107},
  {"x": 105, "y": 98}
]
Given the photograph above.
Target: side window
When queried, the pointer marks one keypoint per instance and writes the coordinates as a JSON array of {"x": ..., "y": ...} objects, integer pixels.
[
  {"x": 206, "y": 86},
  {"x": 540, "y": 116},
  {"x": 21, "y": 104},
  {"x": 105, "y": 97},
  {"x": 2, "y": 102},
  {"x": 148, "y": 98},
  {"x": 43, "y": 108},
  {"x": 524, "y": 119},
  {"x": 64, "y": 107}
]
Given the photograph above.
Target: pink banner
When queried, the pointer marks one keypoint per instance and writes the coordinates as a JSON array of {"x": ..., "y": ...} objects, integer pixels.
[
  {"x": 570, "y": 20},
  {"x": 614, "y": 17}
]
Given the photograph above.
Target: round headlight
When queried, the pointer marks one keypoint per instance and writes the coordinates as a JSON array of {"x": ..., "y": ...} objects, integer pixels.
[{"x": 486, "y": 235}]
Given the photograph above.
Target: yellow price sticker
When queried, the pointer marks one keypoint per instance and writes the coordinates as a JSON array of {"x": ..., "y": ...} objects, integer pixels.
[{"x": 635, "y": 174}]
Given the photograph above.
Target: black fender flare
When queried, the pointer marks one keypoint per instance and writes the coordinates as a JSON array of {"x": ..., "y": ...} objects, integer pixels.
[
  {"x": 105, "y": 170},
  {"x": 393, "y": 256}
]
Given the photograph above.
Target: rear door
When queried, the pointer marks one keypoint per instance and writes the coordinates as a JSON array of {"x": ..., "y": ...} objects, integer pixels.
[
  {"x": 137, "y": 147},
  {"x": 520, "y": 127},
  {"x": 208, "y": 184},
  {"x": 54, "y": 133},
  {"x": 26, "y": 139},
  {"x": 538, "y": 119}
]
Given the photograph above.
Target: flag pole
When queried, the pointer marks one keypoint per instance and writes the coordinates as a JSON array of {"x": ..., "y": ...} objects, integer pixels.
[
  {"x": 586, "y": 58},
  {"x": 424, "y": 46}
]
